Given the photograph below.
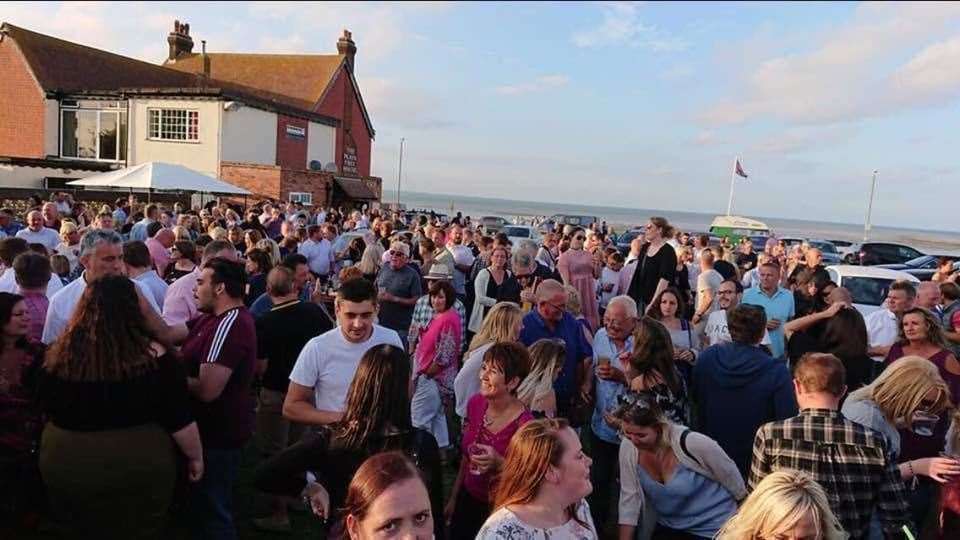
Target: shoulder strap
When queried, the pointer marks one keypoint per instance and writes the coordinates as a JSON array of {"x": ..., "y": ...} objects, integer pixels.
[{"x": 683, "y": 446}]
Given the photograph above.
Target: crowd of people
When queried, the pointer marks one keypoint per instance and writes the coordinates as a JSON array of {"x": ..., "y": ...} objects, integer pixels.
[{"x": 681, "y": 390}]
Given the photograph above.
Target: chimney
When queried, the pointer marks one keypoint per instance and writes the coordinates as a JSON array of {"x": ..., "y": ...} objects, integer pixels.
[
  {"x": 346, "y": 47},
  {"x": 180, "y": 41},
  {"x": 206, "y": 59}
]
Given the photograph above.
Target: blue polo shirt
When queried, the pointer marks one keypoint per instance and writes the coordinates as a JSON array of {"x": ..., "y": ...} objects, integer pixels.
[
  {"x": 570, "y": 331},
  {"x": 778, "y": 306}
]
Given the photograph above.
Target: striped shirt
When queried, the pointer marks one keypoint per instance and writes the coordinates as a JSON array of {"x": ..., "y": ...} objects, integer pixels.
[
  {"x": 849, "y": 460},
  {"x": 228, "y": 340}
]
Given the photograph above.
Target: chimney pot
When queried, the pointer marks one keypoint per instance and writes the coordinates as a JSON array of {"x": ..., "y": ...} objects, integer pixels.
[
  {"x": 179, "y": 41},
  {"x": 346, "y": 47}
]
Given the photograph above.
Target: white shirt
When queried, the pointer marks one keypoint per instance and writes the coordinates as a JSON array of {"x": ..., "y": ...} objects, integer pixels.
[
  {"x": 156, "y": 286},
  {"x": 46, "y": 236},
  {"x": 717, "y": 332},
  {"x": 8, "y": 283},
  {"x": 608, "y": 277},
  {"x": 328, "y": 363},
  {"x": 319, "y": 255},
  {"x": 64, "y": 303},
  {"x": 883, "y": 329},
  {"x": 467, "y": 383}
]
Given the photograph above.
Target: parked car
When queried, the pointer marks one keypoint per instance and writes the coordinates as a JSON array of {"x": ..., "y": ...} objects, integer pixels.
[
  {"x": 624, "y": 240},
  {"x": 493, "y": 224},
  {"x": 846, "y": 249},
  {"x": 759, "y": 243},
  {"x": 828, "y": 250},
  {"x": 867, "y": 285},
  {"x": 873, "y": 253},
  {"x": 922, "y": 267},
  {"x": 516, "y": 233}
]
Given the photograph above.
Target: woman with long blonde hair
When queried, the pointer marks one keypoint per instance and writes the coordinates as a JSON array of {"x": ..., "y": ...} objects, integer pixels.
[
  {"x": 909, "y": 394},
  {"x": 536, "y": 390},
  {"x": 786, "y": 504},
  {"x": 542, "y": 488},
  {"x": 502, "y": 323}
]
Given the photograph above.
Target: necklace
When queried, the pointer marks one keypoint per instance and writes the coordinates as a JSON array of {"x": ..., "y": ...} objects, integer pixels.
[{"x": 489, "y": 420}]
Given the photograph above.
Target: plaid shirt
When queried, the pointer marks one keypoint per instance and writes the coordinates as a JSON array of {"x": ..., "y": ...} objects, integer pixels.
[
  {"x": 849, "y": 460},
  {"x": 423, "y": 312}
]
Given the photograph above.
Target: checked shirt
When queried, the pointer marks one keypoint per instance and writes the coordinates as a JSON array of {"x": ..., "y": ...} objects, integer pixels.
[{"x": 847, "y": 459}]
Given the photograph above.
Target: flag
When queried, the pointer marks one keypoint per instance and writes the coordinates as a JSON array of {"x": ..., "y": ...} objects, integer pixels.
[{"x": 739, "y": 170}]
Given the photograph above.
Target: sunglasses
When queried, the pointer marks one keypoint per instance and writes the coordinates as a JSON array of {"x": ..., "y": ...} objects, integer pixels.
[
  {"x": 397, "y": 254},
  {"x": 579, "y": 237}
]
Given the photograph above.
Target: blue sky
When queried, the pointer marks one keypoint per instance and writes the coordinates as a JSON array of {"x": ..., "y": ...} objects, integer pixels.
[{"x": 627, "y": 104}]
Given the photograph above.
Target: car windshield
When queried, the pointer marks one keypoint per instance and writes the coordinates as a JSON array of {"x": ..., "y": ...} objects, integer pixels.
[
  {"x": 825, "y": 247},
  {"x": 867, "y": 290},
  {"x": 923, "y": 261},
  {"x": 521, "y": 232},
  {"x": 628, "y": 237}
]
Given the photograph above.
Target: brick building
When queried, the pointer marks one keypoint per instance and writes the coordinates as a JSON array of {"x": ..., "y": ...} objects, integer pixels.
[{"x": 68, "y": 111}]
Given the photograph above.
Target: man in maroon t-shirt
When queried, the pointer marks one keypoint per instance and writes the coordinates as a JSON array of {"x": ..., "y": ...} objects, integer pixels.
[{"x": 220, "y": 349}]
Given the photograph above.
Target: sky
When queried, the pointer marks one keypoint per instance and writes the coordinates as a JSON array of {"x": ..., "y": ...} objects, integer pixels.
[{"x": 641, "y": 105}]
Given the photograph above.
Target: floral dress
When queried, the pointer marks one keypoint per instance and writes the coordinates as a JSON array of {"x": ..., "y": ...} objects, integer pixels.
[{"x": 505, "y": 525}]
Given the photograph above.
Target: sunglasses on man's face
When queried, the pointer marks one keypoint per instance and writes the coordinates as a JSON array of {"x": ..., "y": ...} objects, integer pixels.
[{"x": 579, "y": 237}]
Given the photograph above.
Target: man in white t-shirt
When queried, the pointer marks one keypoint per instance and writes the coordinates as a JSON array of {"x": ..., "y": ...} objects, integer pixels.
[
  {"x": 729, "y": 294},
  {"x": 708, "y": 282},
  {"x": 36, "y": 233},
  {"x": 325, "y": 368},
  {"x": 883, "y": 325}
]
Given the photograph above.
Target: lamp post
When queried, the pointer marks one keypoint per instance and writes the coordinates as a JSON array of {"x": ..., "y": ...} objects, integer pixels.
[{"x": 400, "y": 173}]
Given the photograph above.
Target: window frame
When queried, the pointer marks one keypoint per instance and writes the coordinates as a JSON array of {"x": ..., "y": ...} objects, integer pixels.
[
  {"x": 77, "y": 106},
  {"x": 160, "y": 124},
  {"x": 298, "y": 196}
]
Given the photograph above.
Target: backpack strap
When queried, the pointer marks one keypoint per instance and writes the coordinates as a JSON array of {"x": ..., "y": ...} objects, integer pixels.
[{"x": 683, "y": 446}]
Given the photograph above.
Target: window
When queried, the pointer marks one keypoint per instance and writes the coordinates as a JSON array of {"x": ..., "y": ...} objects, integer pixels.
[
  {"x": 95, "y": 130},
  {"x": 173, "y": 124},
  {"x": 301, "y": 197}
]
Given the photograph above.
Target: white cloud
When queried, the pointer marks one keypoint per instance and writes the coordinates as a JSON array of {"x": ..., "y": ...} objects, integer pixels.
[
  {"x": 851, "y": 73},
  {"x": 621, "y": 25},
  {"x": 540, "y": 84}
]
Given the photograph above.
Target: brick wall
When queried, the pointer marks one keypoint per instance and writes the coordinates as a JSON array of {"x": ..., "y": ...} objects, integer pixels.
[
  {"x": 291, "y": 150},
  {"x": 21, "y": 105},
  {"x": 333, "y": 105},
  {"x": 261, "y": 180},
  {"x": 320, "y": 184}
]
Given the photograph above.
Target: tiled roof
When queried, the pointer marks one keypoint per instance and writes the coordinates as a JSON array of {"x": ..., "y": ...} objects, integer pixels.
[
  {"x": 302, "y": 77},
  {"x": 63, "y": 66},
  {"x": 66, "y": 67}
]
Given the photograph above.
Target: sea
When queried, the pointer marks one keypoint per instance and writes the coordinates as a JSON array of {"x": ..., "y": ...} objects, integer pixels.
[{"x": 620, "y": 218}]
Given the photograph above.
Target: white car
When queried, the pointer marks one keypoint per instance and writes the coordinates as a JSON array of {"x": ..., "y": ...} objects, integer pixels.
[
  {"x": 867, "y": 284},
  {"x": 517, "y": 233}
]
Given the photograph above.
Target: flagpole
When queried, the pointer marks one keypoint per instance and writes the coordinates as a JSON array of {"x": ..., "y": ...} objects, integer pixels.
[
  {"x": 866, "y": 223},
  {"x": 733, "y": 178}
]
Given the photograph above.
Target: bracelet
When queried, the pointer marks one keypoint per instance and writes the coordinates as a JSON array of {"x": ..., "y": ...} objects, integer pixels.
[{"x": 910, "y": 466}]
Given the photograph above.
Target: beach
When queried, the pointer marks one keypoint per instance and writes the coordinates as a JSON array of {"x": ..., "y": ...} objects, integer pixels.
[{"x": 620, "y": 218}]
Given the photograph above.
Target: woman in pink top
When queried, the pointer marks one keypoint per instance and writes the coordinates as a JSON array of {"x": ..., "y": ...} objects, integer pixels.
[
  {"x": 578, "y": 269},
  {"x": 493, "y": 416},
  {"x": 32, "y": 273},
  {"x": 437, "y": 353}
]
